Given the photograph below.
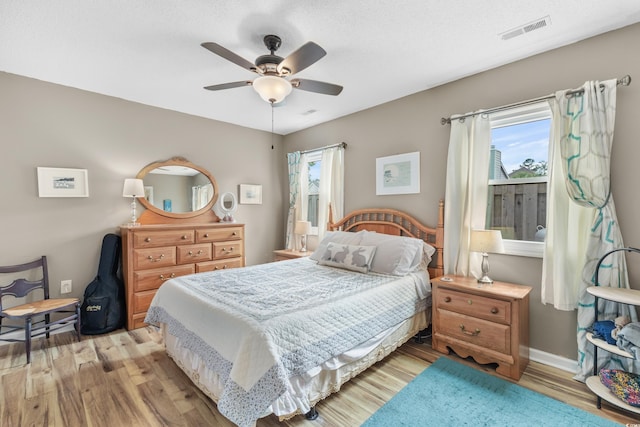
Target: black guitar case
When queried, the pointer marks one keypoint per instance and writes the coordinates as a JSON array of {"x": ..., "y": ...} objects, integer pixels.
[{"x": 103, "y": 309}]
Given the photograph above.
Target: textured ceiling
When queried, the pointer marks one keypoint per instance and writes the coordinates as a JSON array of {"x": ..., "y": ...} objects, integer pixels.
[{"x": 149, "y": 51}]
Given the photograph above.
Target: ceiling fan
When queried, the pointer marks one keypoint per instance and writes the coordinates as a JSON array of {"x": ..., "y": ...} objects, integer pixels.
[{"x": 272, "y": 84}]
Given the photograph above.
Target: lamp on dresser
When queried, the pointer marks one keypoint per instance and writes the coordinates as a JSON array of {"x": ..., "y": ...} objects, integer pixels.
[
  {"x": 485, "y": 241},
  {"x": 133, "y": 188},
  {"x": 303, "y": 228}
]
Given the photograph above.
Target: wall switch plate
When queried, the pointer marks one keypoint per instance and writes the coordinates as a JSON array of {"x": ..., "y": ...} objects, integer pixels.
[{"x": 65, "y": 287}]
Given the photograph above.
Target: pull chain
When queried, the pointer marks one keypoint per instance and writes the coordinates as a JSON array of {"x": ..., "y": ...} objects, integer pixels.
[{"x": 272, "y": 125}]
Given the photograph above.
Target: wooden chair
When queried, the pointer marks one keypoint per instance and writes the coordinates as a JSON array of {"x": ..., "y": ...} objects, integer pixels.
[{"x": 34, "y": 318}]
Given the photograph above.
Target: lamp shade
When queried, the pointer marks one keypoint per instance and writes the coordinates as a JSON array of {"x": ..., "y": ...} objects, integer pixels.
[
  {"x": 486, "y": 241},
  {"x": 302, "y": 227},
  {"x": 133, "y": 188},
  {"x": 272, "y": 89}
]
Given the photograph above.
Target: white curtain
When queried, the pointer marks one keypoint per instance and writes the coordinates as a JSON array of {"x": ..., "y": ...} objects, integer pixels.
[
  {"x": 583, "y": 223},
  {"x": 331, "y": 192},
  {"x": 293, "y": 160},
  {"x": 466, "y": 191},
  {"x": 200, "y": 196}
]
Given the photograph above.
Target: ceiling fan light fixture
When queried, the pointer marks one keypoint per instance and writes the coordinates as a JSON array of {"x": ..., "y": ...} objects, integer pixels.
[{"x": 272, "y": 89}]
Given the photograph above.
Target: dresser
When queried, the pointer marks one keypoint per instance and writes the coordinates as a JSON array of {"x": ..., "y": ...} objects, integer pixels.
[
  {"x": 284, "y": 254},
  {"x": 152, "y": 254},
  {"x": 488, "y": 323}
]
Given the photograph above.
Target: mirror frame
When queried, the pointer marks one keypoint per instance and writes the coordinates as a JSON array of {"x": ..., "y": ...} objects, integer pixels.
[{"x": 178, "y": 161}]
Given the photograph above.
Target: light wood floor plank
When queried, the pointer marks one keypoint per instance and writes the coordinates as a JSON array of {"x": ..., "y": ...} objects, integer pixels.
[{"x": 126, "y": 378}]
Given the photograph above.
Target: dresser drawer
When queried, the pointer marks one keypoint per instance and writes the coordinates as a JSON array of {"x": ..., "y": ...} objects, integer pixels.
[
  {"x": 218, "y": 265},
  {"x": 142, "y": 301},
  {"x": 144, "y": 259},
  {"x": 146, "y": 280},
  {"x": 153, "y": 239},
  {"x": 229, "y": 249},
  {"x": 194, "y": 253},
  {"x": 482, "y": 333},
  {"x": 218, "y": 234},
  {"x": 491, "y": 309}
]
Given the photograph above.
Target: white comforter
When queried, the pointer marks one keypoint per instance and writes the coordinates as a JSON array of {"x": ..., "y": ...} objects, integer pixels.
[{"x": 258, "y": 326}]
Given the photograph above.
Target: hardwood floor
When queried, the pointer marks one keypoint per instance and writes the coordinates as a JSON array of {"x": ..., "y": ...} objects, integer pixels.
[{"x": 126, "y": 379}]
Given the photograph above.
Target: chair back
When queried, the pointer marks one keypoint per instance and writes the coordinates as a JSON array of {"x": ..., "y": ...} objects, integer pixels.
[{"x": 21, "y": 287}]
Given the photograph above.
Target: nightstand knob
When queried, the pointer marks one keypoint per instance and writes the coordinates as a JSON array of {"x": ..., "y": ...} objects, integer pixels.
[
  {"x": 494, "y": 310},
  {"x": 447, "y": 299}
]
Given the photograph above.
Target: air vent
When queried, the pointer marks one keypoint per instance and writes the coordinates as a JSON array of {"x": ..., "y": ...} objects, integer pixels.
[{"x": 526, "y": 28}]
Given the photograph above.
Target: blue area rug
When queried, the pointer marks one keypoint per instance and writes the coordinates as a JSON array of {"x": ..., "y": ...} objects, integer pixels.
[{"x": 448, "y": 393}]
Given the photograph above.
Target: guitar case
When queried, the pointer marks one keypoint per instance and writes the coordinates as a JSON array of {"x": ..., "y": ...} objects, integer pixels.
[{"x": 103, "y": 309}]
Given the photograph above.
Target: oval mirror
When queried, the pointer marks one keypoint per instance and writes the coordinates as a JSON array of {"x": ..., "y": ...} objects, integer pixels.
[
  {"x": 228, "y": 206},
  {"x": 177, "y": 188}
]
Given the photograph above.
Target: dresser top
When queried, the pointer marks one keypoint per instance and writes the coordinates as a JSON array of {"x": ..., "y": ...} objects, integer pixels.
[
  {"x": 471, "y": 285},
  {"x": 180, "y": 226}
]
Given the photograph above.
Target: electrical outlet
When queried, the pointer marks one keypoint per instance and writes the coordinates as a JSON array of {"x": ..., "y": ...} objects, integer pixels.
[{"x": 65, "y": 287}]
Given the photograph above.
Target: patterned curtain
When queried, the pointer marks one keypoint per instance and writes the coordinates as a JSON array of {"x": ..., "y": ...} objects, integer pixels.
[
  {"x": 465, "y": 206},
  {"x": 582, "y": 140},
  {"x": 293, "y": 160}
]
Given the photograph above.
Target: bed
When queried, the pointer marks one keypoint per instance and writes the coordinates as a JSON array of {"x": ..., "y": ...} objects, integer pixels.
[{"x": 277, "y": 338}]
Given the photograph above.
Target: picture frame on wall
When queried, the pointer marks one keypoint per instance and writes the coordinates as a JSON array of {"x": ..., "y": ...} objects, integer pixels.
[
  {"x": 398, "y": 174},
  {"x": 62, "y": 182},
  {"x": 250, "y": 194}
]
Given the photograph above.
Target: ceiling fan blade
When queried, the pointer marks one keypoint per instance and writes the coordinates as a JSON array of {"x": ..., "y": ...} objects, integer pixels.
[
  {"x": 229, "y": 85},
  {"x": 316, "y": 86},
  {"x": 305, "y": 56},
  {"x": 229, "y": 56}
]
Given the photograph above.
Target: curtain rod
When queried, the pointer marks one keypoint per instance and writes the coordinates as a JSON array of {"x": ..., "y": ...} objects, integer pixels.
[
  {"x": 340, "y": 144},
  {"x": 624, "y": 81}
]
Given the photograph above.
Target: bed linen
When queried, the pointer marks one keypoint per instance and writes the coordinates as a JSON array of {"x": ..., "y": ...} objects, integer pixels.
[{"x": 260, "y": 328}]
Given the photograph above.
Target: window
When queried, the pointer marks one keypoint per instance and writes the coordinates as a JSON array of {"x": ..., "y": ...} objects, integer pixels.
[
  {"x": 314, "y": 161},
  {"x": 518, "y": 175}
]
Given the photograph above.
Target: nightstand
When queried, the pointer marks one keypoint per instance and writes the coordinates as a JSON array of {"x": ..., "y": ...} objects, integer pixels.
[
  {"x": 488, "y": 323},
  {"x": 282, "y": 254}
]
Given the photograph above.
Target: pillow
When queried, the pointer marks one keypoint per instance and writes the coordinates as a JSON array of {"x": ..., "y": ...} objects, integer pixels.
[
  {"x": 423, "y": 258},
  {"x": 395, "y": 255},
  {"x": 345, "y": 237},
  {"x": 350, "y": 257},
  {"x": 622, "y": 384}
]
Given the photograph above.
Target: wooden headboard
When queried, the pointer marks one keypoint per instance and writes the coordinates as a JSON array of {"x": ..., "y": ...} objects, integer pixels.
[{"x": 397, "y": 223}]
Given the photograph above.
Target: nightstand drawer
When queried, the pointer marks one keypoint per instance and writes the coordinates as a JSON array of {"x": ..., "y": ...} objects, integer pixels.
[
  {"x": 491, "y": 309},
  {"x": 476, "y": 331}
]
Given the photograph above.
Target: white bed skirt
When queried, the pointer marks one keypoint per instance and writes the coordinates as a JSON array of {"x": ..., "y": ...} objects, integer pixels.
[{"x": 318, "y": 382}]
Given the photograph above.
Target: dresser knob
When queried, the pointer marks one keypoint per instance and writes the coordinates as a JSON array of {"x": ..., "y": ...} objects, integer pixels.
[
  {"x": 447, "y": 299},
  {"x": 469, "y": 302},
  {"x": 184, "y": 237},
  {"x": 494, "y": 310},
  {"x": 167, "y": 278},
  {"x": 224, "y": 266},
  {"x": 234, "y": 234},
  {"x": 216, "y": 268},
  {"x": 148, "y": 239},
  {"x": 206, "y": 234},
  {"x": 152, "y": 259}
]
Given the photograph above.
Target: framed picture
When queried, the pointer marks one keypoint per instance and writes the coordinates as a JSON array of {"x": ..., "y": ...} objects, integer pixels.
[
  {"x": 148, "y": 193},
  {"x": 60, "y": 182},
  {"x": 250, "y": 194},
  {"x": 399, "y": 174}
]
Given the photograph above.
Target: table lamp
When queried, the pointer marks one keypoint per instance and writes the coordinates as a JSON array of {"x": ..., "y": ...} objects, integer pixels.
[
  {"x": 133, "y": 188},
  {"x": 485, "y": 241},
  {"x": 303, "y": 228}
]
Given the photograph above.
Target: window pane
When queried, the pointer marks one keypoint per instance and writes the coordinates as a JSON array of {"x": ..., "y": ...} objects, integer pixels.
[
  {"x": 314, "y": 188},
  {"x": 518, "y": 172}
]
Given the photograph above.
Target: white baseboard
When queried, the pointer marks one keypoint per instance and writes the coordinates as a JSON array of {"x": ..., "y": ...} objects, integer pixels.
[{"x": 556, "y": 361}]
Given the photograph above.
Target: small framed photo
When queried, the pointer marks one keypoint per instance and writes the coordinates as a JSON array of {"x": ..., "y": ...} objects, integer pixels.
[
  {"x": 61, "y": 182},
  {"x": 399, "y": 174},
  {"x": 250, "y": 194}
]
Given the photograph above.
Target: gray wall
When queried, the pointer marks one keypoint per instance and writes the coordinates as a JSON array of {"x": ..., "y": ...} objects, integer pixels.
[
  {"x": 413, "y": 124},
  {"x": 43, "y": 124}
]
